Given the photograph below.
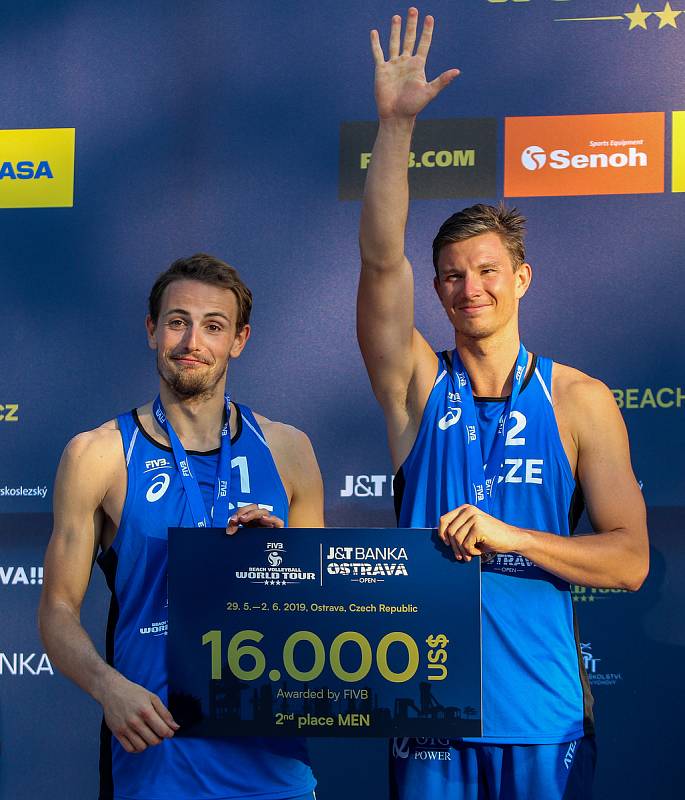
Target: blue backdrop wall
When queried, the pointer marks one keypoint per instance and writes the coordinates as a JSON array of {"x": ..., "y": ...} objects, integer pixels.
[{"x": 226, "y": 127}]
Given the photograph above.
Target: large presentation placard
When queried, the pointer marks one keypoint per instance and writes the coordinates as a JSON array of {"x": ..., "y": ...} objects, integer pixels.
[{"x": 322, "y": 633}]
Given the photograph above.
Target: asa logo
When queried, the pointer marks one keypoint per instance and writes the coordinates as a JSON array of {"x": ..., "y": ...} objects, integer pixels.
[
  {"x": 25, "y": 170},
  {"x": 584, "y": 155},
  {"x": 37, "y": 168}
]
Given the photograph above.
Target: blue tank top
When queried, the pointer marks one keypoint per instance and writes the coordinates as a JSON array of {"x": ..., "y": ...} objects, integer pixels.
[
  {"x": 534, "y": 686},
  {"x": 135, "y": 567}
]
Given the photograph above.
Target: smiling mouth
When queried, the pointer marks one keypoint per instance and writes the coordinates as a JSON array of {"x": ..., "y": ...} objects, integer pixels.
[
  {"x": 472, "y": 309},
  {"x": 188, "y": 361}
]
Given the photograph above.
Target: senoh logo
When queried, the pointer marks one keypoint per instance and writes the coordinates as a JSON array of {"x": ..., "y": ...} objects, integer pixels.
[
  {"x": 37, "y": 168},
  {"x": 584, "y": 155}
]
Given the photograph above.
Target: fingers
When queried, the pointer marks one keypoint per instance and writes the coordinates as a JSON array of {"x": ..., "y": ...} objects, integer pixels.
[
  {"x": 255, "y": 516},
  {"x": 410, "y": 32},
  {"x": 426, "y": 37},
  {"x": 395, "y": 29},
  {"x": 165, "y": 725},
  {"x": 376, "y": 49},
  {"x": 439, "y": 83},
  {"x": 455, "y": 527}
]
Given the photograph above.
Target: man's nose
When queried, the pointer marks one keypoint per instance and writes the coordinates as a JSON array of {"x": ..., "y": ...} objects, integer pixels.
[{"x": 472, "y": 285}]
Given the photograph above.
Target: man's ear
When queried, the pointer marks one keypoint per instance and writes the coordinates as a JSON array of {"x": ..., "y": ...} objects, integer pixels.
[
  {"x": 240, "y": 341},
  {"x": 523, "y": 277},
  {"x": 151, "y": 328}
]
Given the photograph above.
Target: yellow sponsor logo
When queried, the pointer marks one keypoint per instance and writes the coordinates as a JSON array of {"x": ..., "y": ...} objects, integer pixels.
[
  {"x": 432, "y": 158},
  {"x": 9, "y": 412},
  {"x": 678, "y": 151},
  {"x": 37, "y": 168},
  {"x": 664, "y": 397}
]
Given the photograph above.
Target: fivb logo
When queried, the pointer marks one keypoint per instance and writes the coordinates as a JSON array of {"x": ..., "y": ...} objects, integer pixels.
[
  {"x": 37, "y": 168},
  {"x": 590, "y": 154}
]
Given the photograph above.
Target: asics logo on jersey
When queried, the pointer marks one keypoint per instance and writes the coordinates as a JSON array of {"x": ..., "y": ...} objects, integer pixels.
[
  {"x": 158, "y": 487},
  {"x": 452, "y": 416}
]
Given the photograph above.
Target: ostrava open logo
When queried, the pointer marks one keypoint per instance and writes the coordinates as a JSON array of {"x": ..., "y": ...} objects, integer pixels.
[{"x": 449, "y": 158}]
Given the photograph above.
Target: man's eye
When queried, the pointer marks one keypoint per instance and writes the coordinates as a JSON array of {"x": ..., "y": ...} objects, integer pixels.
[
  {"x": 214, "y": 328},
  {"x": 176, "y": 323}
]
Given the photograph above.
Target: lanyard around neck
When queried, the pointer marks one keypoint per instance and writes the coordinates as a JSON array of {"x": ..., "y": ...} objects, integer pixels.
[
  {"x": 191, "y": 487},
  {"x": 485, "y": 477}
]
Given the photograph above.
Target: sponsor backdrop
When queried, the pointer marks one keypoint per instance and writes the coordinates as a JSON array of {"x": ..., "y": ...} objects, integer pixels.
[{"x": 136, "y": 133}]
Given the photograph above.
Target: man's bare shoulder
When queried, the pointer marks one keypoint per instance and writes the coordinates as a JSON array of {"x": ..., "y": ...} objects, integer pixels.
[
  {"x": 574, "y": 391},
  {"x": 281, "y": 436},
  {"x": 99, "y": 446}
]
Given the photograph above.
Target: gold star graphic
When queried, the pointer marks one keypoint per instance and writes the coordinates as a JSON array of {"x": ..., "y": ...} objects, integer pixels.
[
  {"x": 638, "y": 17},
  {"x": 667, "y": 16}
]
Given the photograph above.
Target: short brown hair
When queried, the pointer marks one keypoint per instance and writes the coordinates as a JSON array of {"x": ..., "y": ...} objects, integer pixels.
[
  {"x": 206, "y": 269},
  {"x": 508, "y": 223}
]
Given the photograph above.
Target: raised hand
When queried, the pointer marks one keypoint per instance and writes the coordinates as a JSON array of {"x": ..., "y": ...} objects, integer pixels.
[{"x": 401, "y": 87}]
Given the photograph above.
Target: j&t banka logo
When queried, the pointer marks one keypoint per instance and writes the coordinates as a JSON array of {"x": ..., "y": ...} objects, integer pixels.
[
  {"x": 367, "y": 564},
  {"x": 367, "y": 486},
  {"x": 37, "y": 168}
]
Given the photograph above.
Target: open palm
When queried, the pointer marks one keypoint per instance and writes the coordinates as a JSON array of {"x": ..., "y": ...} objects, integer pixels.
[{"x": 401, "y": 87}]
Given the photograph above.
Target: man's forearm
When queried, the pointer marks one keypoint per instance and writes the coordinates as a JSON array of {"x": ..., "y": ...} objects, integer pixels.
[
  {"x": 72, "y": 651},
  {"x": 386, "y": 195},
  {"x": 608, "y": 560}
]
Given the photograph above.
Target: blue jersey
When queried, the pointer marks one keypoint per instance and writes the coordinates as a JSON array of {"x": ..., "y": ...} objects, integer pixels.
[
  {"x": 136, "y": 570},
  {"x": 534, "y": 686}
]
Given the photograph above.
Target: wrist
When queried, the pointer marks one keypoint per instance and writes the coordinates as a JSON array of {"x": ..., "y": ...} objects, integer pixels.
[
  {"x": 103, "y": 682},
  {"x": 396, "y": 125},
  {"x": 523, "y": 542}
]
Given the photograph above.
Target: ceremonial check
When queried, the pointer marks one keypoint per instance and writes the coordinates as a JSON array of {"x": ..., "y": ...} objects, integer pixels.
[{"x": 286, "y": 632}]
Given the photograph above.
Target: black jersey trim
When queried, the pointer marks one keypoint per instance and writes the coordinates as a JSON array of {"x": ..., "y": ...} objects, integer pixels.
[
  {"x": 447, "y": 356},
  {"x": 588, "y": 699},
  {"x": 575, "y": 508},
  {"x": 398, "y": 484},
  {"x": 108, "y": 562},
  {"x": 166, "y": 448}
]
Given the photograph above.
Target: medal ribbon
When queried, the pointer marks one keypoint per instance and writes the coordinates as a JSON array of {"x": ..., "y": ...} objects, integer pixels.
[
  {"x": 191, "y": 487},
  {"x": 484, "y": 477}
]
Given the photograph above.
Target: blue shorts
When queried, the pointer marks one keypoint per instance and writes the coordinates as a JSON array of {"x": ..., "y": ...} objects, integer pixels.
[{"x": 454, "y": 770}]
